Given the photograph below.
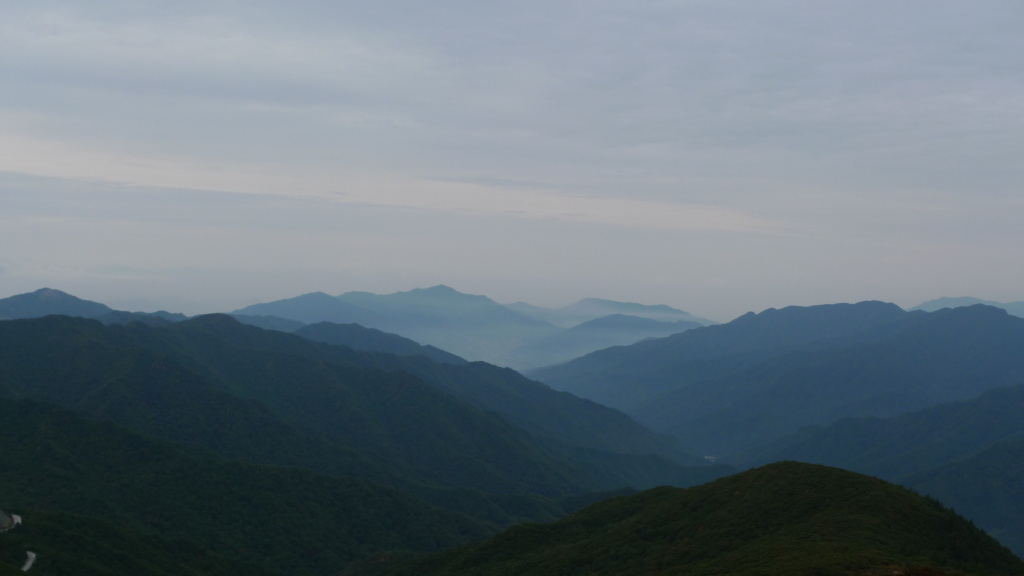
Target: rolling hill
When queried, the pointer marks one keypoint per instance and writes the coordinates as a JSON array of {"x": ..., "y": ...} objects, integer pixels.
[
  {"x": 785, "y": 518},
  {"x": 967, "y": 454}
]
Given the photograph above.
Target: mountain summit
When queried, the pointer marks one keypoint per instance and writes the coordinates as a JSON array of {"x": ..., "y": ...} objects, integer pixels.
[{"x": 47, "y": 301}]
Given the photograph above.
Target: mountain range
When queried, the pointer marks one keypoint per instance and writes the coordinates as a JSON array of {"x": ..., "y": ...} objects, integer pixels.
[
  {"x": 731, "y": 387},
  {"x": 404, "y": 440},
  {"x": 252, "y": 443},
  {"x": 1014, "y": 308},
  {"x": 478, "y": 328},
  {"x": 470, "y": 326}
]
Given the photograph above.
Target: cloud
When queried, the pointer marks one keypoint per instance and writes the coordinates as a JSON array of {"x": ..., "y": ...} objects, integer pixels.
[{"x": 801, "y": 124}]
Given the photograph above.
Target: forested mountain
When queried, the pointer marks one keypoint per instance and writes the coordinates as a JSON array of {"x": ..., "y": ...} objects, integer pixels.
[
  {"x": 895, "y": 448},
  {"x": 630, "y": 376},
  {"x": 986, "y": 487},
  {"x": 370, "y": 339},
  {"x": 732, "y": 387},
  {"x": 79, "y": 545},
  {"x": 365, "y": 446},
  {"x": 786, "y": 518},
  {"x": 967, "y": 454},
  {"x": 253, "y": 380},
  {"x": 56, "y": 462},
  {"x": 318, "y": 414}
]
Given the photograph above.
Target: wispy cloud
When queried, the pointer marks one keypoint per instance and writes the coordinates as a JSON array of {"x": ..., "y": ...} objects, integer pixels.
[{"x": 803, "y": 124}]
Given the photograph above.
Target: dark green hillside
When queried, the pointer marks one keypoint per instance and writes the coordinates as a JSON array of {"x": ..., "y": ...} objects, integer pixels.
[
  {"x": 75, "y": 545},
  {"x": 967, "y": 454},
  {"x": 102, "y": 372},
  {"x": 786, "y": 518},
  {"x": 528, "y": 404},
  {"x": 286, "y": 520},
  {"x": 229, "y": 349},
  {"x": 273, "y": 398},
  {"x": 209, "y": 382},
  {"x": 987, "y": 487}
]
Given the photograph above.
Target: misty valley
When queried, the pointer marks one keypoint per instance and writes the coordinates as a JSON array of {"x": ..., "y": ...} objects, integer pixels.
[{"x": 436, "y": 432}]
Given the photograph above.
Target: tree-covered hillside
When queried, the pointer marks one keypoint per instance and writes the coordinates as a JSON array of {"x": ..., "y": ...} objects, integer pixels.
[{"x": 786, "y": 518}]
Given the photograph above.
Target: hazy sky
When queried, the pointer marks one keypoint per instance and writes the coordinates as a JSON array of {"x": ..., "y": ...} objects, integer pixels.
[{"x": 718, "y": 156}]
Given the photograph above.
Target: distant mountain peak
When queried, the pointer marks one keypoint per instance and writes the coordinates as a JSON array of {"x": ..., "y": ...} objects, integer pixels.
[
  {"x": 442, "y": 291},
  {"x": 1014, "y": 308},
  {"x": 591, "y": 308},
  {"x": 50, "y": 294},
  {"x": 952, "y": 302},
  {"x": 47, "y": 301},
  {"x": 439, "y": 289}
]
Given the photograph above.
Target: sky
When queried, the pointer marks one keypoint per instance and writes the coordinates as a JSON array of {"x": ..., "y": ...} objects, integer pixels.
[{"x": 717, "y": 156}]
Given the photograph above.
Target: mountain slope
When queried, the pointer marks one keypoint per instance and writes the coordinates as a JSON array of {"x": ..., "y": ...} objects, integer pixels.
[
  {"x": 311, "y": 308},
  {"x": 530, "y": 405},
  {"x": 985, "y": 487},
  {"x": 270, "y": 397},
  {"x": 629, "y": 376},
  {"x": 729, "y": 403},
  {"x": 786, "y": 518},
  {"x": 100, "y": 372},
  {"x": 79, "y": 545},
  {"x": 184, "y": 382},
  {"x": 288, "y": 521},
  {"x": 894, "y": 448},
  {"x": 967, "y": 454},
  {"x": 372, "y": 340}
]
